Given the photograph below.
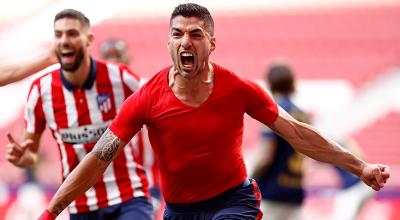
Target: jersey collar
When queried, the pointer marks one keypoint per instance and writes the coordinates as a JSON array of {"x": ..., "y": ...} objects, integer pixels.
[{"x": 89, "y": 81}]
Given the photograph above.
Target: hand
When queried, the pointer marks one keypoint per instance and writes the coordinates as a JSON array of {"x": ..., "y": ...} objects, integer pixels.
[
  {"x": 375, "y": 175},
  {"x": 15, "y": 151},
  {"x": 46, "y": 215}
]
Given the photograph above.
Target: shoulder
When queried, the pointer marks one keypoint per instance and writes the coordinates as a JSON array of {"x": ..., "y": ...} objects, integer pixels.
[
  {"x": 114, "y": 68},
  {"x": 158, "y": 81},
  {"x": 148, "y": 95},
  {"x": 46, "y": 79},
  {"x": 230, "y": 77}
]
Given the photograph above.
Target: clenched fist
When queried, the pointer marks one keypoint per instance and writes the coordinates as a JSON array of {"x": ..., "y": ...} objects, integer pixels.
[{"x": 375, "y": 175}]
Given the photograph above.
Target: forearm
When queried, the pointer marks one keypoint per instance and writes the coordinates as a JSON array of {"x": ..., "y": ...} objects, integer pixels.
[
  {"x": 10, "y": 73},
  {"x": 78, "y": 181},
  {"x": 87, "y": 172},
  {"x": 310, "y": 142}
]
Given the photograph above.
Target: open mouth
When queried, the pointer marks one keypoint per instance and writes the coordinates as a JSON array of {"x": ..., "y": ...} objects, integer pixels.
[
  {"x": 187, "y": 59},
  {"x": 67, "y": 57},
  {"x": 67, "y": 54}
]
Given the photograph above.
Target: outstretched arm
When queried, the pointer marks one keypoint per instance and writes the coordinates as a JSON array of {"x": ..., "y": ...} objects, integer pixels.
[
  {"x": 87, "y": 172},
  {"x": 310, "y": 142},
  {"x": 12, "y": 72}
]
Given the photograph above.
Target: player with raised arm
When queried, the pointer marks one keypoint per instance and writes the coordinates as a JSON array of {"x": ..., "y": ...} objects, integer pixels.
[{"x": 194, "y": 112}]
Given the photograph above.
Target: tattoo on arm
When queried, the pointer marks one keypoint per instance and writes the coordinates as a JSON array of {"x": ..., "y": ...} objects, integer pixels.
[{"x": 107, "y": 146}]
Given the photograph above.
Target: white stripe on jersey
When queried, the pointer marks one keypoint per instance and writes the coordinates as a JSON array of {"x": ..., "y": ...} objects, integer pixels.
[
  {"x": 72, "y": 113},
  {"x": 90, "y": 193},
  {"x": 30, "y": 110},
  {"x": 72, "y": 208},
  {"x": 117, "y": 87},
  {"x": 135, "y": 179},
  {"x": 47, "y": 101},
  {"x": 72, "y": 119},
  {"x": 64, "y": 158},
  {"x": 91, "y": 97},
  {"x": 130, "y": 81},
  {"x": 113, "y": 194}
]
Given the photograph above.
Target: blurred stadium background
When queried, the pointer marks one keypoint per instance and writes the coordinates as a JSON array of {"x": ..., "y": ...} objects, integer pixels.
[{"x": 346, "y": 54}]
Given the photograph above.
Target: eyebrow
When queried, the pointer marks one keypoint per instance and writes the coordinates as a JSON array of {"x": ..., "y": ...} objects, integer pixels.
[
  {"x": 67, "y": 30},
  {"x": 192, "y": 31}
]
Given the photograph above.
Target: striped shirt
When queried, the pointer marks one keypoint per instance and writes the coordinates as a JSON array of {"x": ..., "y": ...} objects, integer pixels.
[{"x": 78, "y": 117}]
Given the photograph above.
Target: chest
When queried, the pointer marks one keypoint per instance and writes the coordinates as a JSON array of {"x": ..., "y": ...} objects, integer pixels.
[
  {"x": 193, "y": 97},
  {"x": 68, "y": 109},
  {"x": 218, "y": 115}
]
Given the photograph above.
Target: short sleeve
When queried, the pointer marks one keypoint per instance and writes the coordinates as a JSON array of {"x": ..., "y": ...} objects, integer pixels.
[
  {"x": 34, "y": 116},
  {"x": 259, "y": 105},
  {"x": 131, "y": 117}
]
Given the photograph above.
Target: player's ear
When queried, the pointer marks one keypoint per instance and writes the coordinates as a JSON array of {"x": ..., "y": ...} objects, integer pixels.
[
  {"x": 90, "y": 39},
  {"x": 212, "y": 44}
]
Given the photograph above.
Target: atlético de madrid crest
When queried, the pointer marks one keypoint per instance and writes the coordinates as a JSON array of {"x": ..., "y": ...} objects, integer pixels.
[{"x": 104, "y": 102}]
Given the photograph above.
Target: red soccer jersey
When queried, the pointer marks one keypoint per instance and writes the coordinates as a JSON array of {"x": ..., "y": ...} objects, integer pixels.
[
  {"x": 198, "y": 149},
  {"x": 77, "y": 117}
]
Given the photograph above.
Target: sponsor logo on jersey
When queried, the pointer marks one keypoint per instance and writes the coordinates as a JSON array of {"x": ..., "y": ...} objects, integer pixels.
[{"x": 83, "y": 134}]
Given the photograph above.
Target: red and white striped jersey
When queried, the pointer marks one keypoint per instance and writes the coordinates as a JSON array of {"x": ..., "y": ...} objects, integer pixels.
[{"x": 78, "y": 117}]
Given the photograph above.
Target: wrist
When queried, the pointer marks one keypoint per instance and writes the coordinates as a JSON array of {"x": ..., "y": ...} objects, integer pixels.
[
  {"x": 27, "y": 160},
  {"x": 47, "y": 215},
  {"x": 360, "y": 168}
]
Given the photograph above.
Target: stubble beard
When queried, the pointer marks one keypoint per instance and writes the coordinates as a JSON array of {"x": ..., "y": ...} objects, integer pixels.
[{"x": 75, "y": 65}]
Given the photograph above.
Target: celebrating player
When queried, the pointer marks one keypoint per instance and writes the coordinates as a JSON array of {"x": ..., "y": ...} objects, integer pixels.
[{"x": 194, "y": 112}]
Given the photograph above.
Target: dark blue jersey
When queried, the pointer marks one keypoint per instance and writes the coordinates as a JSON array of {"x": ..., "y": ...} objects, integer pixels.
[
  {"x": 282, "y": 181},
  {"x": 347, "y": 178}
]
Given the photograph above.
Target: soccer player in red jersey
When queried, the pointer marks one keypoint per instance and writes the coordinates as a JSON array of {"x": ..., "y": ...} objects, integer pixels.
[
  {"x": 194, "y": 113},
  {"x": 78, "y": 102}
]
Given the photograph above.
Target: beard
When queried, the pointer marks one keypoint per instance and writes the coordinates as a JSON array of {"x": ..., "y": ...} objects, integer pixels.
[{"x": 75, "y": 65}]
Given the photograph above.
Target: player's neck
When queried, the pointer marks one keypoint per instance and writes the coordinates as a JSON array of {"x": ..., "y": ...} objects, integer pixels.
[
  {"x": 78, "y": 77},
  {"x": 194, "y": 91},
  {"x": 205, "y": 78}
]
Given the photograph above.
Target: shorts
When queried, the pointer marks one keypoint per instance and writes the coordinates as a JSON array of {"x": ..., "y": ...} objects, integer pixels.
[
  {"x": 137, "y": 208},
  {"x": 240, "y": 202}
]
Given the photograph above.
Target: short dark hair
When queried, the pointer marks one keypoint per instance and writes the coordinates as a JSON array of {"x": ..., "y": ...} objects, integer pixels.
[
  {"x": 280, "y": 79},
  {"x": 194, "y": 10},
  {"x": 72, "y": 13}
]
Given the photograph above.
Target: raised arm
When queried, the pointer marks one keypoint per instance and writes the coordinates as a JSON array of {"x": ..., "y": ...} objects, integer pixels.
[
  {"x": 12, "y": 72},
  {"x": 87, "y": 172},
  {"x": 310, "y": 142}
]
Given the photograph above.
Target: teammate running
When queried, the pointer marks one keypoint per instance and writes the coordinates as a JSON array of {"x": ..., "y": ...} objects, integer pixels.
[{"x": 78, "y": 102}]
